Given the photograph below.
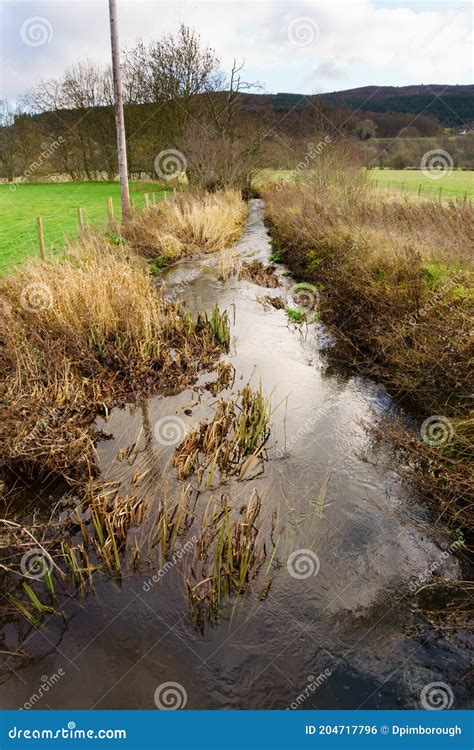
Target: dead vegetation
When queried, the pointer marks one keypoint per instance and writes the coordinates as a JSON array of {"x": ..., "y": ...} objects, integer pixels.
[
  {"x": 259, "y": 274},
  {"x": 225, "y": 378},
  {"x": 229, "y": 264},
  {"x": 191, "y": 223},
  {"x": 279, "y": 303},
  {"x": 396, "y": 290},
  {"x": 50, "y": 556},
  {"x": 78, "y": 335},
  {"x": 231, "y": 444}
]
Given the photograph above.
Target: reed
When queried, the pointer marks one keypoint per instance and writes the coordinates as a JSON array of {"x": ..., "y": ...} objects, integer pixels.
[
  {"x": 231, "y": 443},
  {"x": 229, "y": 264},
  {"x": 396, "y": 292},
  {"x": 229, "y": 555}
]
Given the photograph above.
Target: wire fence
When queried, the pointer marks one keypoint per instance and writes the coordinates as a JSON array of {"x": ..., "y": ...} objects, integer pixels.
[{"x": 40, "y": 233}]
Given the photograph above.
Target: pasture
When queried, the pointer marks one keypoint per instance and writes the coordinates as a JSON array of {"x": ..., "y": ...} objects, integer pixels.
[
  {"x": 58, "y": 204},
  {"x": 453, "y": 184}
]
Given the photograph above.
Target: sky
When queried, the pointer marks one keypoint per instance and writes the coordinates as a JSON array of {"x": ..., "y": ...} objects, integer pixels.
[{"x": 291, "y": 45}]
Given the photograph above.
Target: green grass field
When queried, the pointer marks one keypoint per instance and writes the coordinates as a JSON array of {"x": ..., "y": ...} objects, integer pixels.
[
  {"x": 454, "y": 184},
  {"x": 57, "y": 203}
]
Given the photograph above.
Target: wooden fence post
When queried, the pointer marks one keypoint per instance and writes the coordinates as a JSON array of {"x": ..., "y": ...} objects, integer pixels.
[
  {"x": 110, "y": 209},
  {"x": 419, "y": 190},
  {"x": 147, "y": 200},
  {"x": 80, "y": 216},
  {"x": 39, "y": 224},
  {"x": 154, "y": 198}
]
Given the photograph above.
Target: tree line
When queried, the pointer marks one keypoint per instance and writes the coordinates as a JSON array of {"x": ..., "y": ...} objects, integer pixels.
[{"x": 176, "y": 96}]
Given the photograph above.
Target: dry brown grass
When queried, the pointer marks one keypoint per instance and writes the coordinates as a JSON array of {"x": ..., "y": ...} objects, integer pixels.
[
  {"x": 396, "y": 288},
  {"x": 279, "y": 303},
  {"x": 398, "y": 280},
  {"x": 77, "y": 335},
  {"x": 191, "y": 223},
  {"x": 259, "y": 274}
]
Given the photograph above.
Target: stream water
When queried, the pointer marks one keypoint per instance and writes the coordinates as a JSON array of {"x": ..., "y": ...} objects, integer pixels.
[{"x": 343, "y": 637}]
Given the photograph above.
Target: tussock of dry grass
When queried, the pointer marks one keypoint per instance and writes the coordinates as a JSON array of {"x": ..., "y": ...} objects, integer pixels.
[
  {"x": 191, "y": 223},
  {"x": 76, "y": 336}
]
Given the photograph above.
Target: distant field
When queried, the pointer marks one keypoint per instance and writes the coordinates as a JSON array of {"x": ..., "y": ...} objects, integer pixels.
[
  {"x": 57, "y": 203},
  {"x": 453, "y": 184}
]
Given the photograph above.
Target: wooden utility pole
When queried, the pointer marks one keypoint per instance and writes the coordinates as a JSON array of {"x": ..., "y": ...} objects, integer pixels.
[{"x": 119, "y": 118}]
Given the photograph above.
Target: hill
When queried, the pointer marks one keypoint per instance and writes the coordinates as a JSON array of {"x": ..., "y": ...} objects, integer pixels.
[{"x": 452, "y": 105}]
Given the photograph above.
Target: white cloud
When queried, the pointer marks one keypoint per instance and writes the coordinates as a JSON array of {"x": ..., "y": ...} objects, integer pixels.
[{"x": 357, "y": 42}]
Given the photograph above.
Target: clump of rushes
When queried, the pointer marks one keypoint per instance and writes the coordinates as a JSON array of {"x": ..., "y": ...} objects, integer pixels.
[
  {"x": 191, "y": 223},
  {"x": 229, "y": 556},
  {"x": 78, "y": 335},
  {"x": 225, "y": 378},
  {"x": 231, "y": 444},
  {"x": 173, "y": 520},
  {"x": 72, "y": 551},
  {"x": 229, "y": 264},
  {"x": 398, "y": 296},
  {"x": 217, "y": 322}
]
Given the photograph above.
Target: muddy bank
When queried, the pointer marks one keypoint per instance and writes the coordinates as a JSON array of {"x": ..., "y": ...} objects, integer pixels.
[{"x": 353, "y": 543}]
